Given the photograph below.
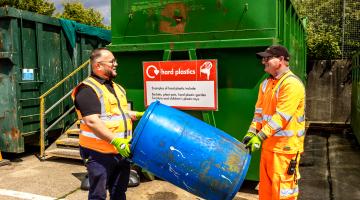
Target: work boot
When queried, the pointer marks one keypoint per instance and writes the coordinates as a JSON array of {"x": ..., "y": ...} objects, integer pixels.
[
  {"x": 85, "y": 184},
  {"x": 134, "y": 179}
]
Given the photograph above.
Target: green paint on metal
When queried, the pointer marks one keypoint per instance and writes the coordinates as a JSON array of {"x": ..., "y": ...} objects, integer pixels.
[
  {"x": 231, "y": 31},
  {"x": 145, "y": 6}
]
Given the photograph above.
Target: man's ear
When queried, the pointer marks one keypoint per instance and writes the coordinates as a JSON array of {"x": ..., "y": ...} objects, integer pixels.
[{"x": 97, "y": 66}]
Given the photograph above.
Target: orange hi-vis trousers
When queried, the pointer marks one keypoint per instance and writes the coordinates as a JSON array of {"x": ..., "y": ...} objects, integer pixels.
[{"x": 275, "y": 183}]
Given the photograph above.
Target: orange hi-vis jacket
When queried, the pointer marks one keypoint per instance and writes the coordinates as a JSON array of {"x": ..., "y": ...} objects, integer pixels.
[
  {"x": 114, "y": 113},
  {"x": 279, "y": 117}
]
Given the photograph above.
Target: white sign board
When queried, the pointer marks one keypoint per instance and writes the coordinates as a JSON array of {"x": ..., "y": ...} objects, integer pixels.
[{"x": 188, "y": 85}]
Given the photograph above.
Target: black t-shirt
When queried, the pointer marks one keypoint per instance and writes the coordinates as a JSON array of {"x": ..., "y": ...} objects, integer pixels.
[{"x": 86, "y": 99}]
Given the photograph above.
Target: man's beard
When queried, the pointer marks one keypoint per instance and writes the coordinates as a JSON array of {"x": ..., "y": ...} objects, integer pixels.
[{"x": 109, "y": 74}]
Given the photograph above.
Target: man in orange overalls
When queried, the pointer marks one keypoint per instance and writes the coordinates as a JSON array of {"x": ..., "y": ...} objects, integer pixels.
[{"x": 279, "y": 125}]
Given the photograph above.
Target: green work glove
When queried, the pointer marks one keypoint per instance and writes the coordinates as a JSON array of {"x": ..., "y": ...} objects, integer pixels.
[
  {"x": 247, "y": 137},
  {"x": 122, "y": 146},
  {"x": 254, "y": 143},
  {"x": 135, "y": 115},
  {"x": 139, "y": 114}
]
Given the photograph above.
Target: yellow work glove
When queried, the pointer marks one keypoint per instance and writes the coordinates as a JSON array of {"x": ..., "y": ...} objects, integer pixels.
[
  {"x": 139, "y": 114},
  {"x": 254, "y": 143},
  {"x": 122, "y": 146},
  {"x": 247, "y": 137},
  {"x": 135, "y": 115}
]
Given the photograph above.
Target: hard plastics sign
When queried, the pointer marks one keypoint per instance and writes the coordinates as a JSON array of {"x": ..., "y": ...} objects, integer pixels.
[{"x": 188, "y": 85}]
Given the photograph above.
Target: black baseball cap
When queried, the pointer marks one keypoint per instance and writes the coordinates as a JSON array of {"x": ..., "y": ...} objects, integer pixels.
[{"x": 276, "y": 51}]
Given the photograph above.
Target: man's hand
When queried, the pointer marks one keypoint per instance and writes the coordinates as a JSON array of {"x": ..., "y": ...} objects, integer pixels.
[
  {"x": 254, "y": 143},
  {"x": 122, "y": 146},
  {"x": 247, "y": 137},
  {"x": 135, "y": 115}
]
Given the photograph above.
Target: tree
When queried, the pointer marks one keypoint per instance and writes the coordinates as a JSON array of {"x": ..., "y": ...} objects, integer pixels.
[
  {"x": 39, "y": 6},
  {"x": 327, "y": 27},
  {"x": 77, "y": 12},
  {"x": 11, "y": 3}
]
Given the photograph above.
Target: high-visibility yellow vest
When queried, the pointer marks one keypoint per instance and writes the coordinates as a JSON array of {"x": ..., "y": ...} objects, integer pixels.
[
  {"x": 114, "y": 113},
  {"x": 279, "y": 116}
]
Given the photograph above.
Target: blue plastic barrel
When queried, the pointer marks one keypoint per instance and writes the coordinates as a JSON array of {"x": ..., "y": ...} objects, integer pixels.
[{"x": 189, "y": 153}]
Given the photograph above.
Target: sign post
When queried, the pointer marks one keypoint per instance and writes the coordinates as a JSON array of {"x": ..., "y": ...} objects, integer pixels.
[{"x": 187, "y": 85}]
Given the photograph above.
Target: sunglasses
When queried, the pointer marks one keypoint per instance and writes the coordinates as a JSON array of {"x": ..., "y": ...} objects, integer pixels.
[
  {"x": 113, "y": 61},
  {"x": 266, "y": 59}
]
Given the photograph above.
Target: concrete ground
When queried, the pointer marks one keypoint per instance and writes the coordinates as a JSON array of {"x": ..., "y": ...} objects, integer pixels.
[
  {"x": 330, "y": 167},
  {"x": 330, "y": 170},
  {"x": 58, "y": 178}
]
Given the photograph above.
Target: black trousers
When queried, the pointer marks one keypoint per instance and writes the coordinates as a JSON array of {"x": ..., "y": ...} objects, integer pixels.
[{"x": 106, "y": 171}]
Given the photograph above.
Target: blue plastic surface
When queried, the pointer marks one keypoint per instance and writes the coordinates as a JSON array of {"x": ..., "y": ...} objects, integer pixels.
[{"x": 189, "y": 153}]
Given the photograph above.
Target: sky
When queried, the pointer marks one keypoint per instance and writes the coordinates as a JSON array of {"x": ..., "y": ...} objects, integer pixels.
[{"x": 103, "y": 6}]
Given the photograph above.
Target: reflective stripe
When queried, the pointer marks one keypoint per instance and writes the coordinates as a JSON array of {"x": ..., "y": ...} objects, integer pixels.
[
  {"x": 258, "y": 110},
  {"x": 278, "y": 88},
  {"x": 267, "y": 117},
  {"x": 108, "y": 118},
  {"x": 129, "y": 134},
  {"x": 128, "y": 116},
  {"x": 257, "y": 119},
  {"x": 301, "y": 119},
  {"x": 288, "y": 191},
  {"x": 274, "y": 125},
  {"x": 301, "y": 133},
  {"x": 92, "y": 135},
  {"x": 262, "y": 135},
  {"x": 286, "y": 133},
  {"x": 277, "y": 92},
  {"x": 252, "y": 130},
  {"x": 121, "y": 135},
  {"x": 285, "y": 116},
  {"x": 121, "y": 89},
  {"x": 89, "y": 134},
  {"x": 263, "y": 88},
  {"x": 111, "y": 118},
  {"x": 101, "y": 97}
]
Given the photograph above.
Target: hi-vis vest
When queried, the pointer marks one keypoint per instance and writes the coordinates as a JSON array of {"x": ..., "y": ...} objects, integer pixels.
[
  {"x": 114, "y": 113},
  {"x": 279, "y": 116}
]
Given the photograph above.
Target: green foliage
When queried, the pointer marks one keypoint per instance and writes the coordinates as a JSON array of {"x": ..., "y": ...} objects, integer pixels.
[
  {"x": 73, "y": 11},
  {"x": 11, "y": 3},
  {"x": 325, "y": 38},
  {"x": 77, "y": 12},
  {"x": 323, "y": 45},
  {"x": 39, "y": 6}
]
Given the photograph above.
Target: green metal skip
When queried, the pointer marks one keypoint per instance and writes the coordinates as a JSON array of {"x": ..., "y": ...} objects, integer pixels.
[{"x": 231, "y": 31}]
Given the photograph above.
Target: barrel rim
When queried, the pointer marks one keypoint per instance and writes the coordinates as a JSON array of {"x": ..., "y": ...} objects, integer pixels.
[
  {"x": 242, "y": 177},
  {"x": 143, "y": 121}
]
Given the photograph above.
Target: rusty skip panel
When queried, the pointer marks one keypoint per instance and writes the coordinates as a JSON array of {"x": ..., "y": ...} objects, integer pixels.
[{"x": 173, "y": 18}]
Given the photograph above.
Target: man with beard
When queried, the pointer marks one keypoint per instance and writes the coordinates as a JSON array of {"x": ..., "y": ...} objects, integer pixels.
[{"x": 105, "y": 127}]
